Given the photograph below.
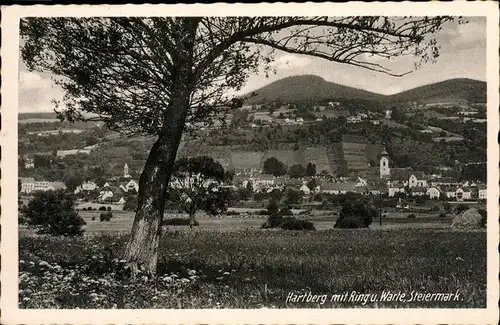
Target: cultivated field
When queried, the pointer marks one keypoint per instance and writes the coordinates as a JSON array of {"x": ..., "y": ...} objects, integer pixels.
[{"x": 253, "y": 268}]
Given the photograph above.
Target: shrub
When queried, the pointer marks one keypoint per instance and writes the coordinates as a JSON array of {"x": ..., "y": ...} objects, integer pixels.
[
  {"x": 93, "y": 218},
  {"x": 291, "y": 223},
  {"x": 109, "y": 208},
  {"x": 232, "y": 213},
  {"x": 286, "y": 212},
  {"x": 102, "y": 208},
  {"x": 262, "y": 212},
  {"x": 53, "y": 212},
  {"x": 178, "y": 222},
  {"x": 355, "y": 211},
  {"x": 461, "y": 208},
  {"x": 106, "y": 216},
  {"x": 84, "y": 209},
  {"x": 130, "y": 204},
  {"x": 348, "y": 223},
  {"x": 411, "y": 216},
  {"x": 442, "y": 215},
  {"x": 484, "y": 218}
]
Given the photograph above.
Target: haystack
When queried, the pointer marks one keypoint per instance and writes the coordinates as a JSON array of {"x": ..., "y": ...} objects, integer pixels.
[{"x": 469, "y": 219}]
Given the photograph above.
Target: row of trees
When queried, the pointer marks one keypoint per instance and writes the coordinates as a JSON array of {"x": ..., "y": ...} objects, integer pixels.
[{"x": 275, "y": 167}]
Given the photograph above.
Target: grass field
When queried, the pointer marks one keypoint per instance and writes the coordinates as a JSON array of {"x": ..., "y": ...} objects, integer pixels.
[{"x": 253, "y": 268}]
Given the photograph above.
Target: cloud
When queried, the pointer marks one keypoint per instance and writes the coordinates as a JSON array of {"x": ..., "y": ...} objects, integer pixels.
[
  {"x": 290, "y": 61},
  {"x": 36, "y": 92}
]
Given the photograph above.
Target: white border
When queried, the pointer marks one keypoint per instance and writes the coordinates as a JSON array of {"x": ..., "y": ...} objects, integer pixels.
[{"x": 10, "y": 314}]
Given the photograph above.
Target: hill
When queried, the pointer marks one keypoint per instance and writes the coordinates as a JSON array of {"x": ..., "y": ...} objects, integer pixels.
[
  {"x": 307, "y": 88},
  {"x": 315, "y": 89},
  {"x": 448, "y": 91}
]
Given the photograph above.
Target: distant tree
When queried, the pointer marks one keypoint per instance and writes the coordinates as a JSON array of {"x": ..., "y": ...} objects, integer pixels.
[
  {"x": 461, "y": 208},
  {"x": 311, "y": 184},
  {"x": 274, "y": 217},
  {"x": 274, "y": 167},
  {"x": 130, "y": 203},
  {"x": 73, "y": 181},
  {"x": 197, "y": 184},
  {"x": 310, "y": 169},
  {"x": 100, "y": 181},
  {"x": 241, "y": 118},
  {"x": 53, "y": 212},
  {"x": 355, "y": 215},
  {"x": 297, "y": 171},
  {"x": 244, "y": 194},
  {"x": 447, "y": 207},
  {"x": 293, "y": 196},
  {"x": 41, "y": 161},
  {"x": 19, "y": 185}
]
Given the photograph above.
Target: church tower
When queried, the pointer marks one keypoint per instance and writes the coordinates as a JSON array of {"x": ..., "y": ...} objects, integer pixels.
[
  {"x": 385, "y": 171},
  {"x": 125, "y": 171}
]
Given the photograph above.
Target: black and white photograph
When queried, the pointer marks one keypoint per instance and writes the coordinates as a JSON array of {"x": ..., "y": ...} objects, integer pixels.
[{"x": 200, "y": 161}]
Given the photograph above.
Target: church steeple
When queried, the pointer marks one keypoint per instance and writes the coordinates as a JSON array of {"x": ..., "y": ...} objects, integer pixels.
[
  {"x": 126, "y": 171},
  {"x": 384, "y": 165}
]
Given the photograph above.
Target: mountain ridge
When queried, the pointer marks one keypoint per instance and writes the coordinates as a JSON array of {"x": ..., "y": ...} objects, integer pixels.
[{"x": 315, "y": 88}]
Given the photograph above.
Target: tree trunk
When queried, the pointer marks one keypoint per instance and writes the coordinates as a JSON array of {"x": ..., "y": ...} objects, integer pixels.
[
  {"x": 192, "y": 221},
  {"x": 141, "y": 251}
]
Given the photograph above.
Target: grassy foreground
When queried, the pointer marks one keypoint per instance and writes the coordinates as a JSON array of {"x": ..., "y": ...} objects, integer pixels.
[{"x": 256, "y": 268}]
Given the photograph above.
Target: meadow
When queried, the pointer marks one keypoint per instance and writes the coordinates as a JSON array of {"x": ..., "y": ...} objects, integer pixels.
[{"x": 238, "y": 265}]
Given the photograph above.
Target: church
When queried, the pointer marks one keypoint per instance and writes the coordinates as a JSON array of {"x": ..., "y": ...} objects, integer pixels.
[{"x": 405, "y": 176}]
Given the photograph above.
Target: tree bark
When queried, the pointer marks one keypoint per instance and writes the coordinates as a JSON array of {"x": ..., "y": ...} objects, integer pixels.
[{"x": 141, "y": 252}]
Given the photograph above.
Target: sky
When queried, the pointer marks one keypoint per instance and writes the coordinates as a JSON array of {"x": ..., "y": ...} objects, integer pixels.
[{"x": 462, "y": 55}]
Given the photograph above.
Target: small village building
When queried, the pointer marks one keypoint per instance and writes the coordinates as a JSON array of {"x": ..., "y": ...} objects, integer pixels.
[
  {"x": 27, "y": 185},
  {"x": 338, "y": 188},
  {"x": 305, "y": 189},
  {"x": 417, "y": 179},
  {"x": 418, "y": 191},
  {"x": 396, "y": 187},
  {"x": 86, "y": 186},
  {"x": 433, "y": 192},
  {"x": 481, "y": 192},
  {"x": 463, "y": 193}
]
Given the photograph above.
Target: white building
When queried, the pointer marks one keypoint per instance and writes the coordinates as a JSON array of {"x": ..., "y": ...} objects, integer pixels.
[
  {"x": 395, "y": 188},
  {"x": 305, "y": 189},
  {"x": 385, "y": 171},
  {"x": 417, "y": 180},
  {"x": 481, "y": 192},
  {"x": 433, "y": 193},
  {"x": 86, "y": 186}
]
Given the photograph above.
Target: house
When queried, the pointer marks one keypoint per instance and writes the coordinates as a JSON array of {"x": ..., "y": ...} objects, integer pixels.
[
  {"x": 305, "y": 190},
  {"x": 417, "y": 179},
  {"x": 110, "y": 192},
  {"x": 396, "y": 187},
  {"x": 27, "y": 185},
  {"x": 131, "y": 185},
  {"x": 400, "y": 175},
  {"x": 433, "y": 192},
  {"x": 463, "y": 193},
  {"x": 338, "y": 188},
  {"x": 418, "y": 191},
  {"x": 86, "y": 186},
  {"x": 29, "y": 162},
  {"x": 444, "y": 181},
  {"x": 481, "y": 192},
  {"x": 450, "y": 191}
]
